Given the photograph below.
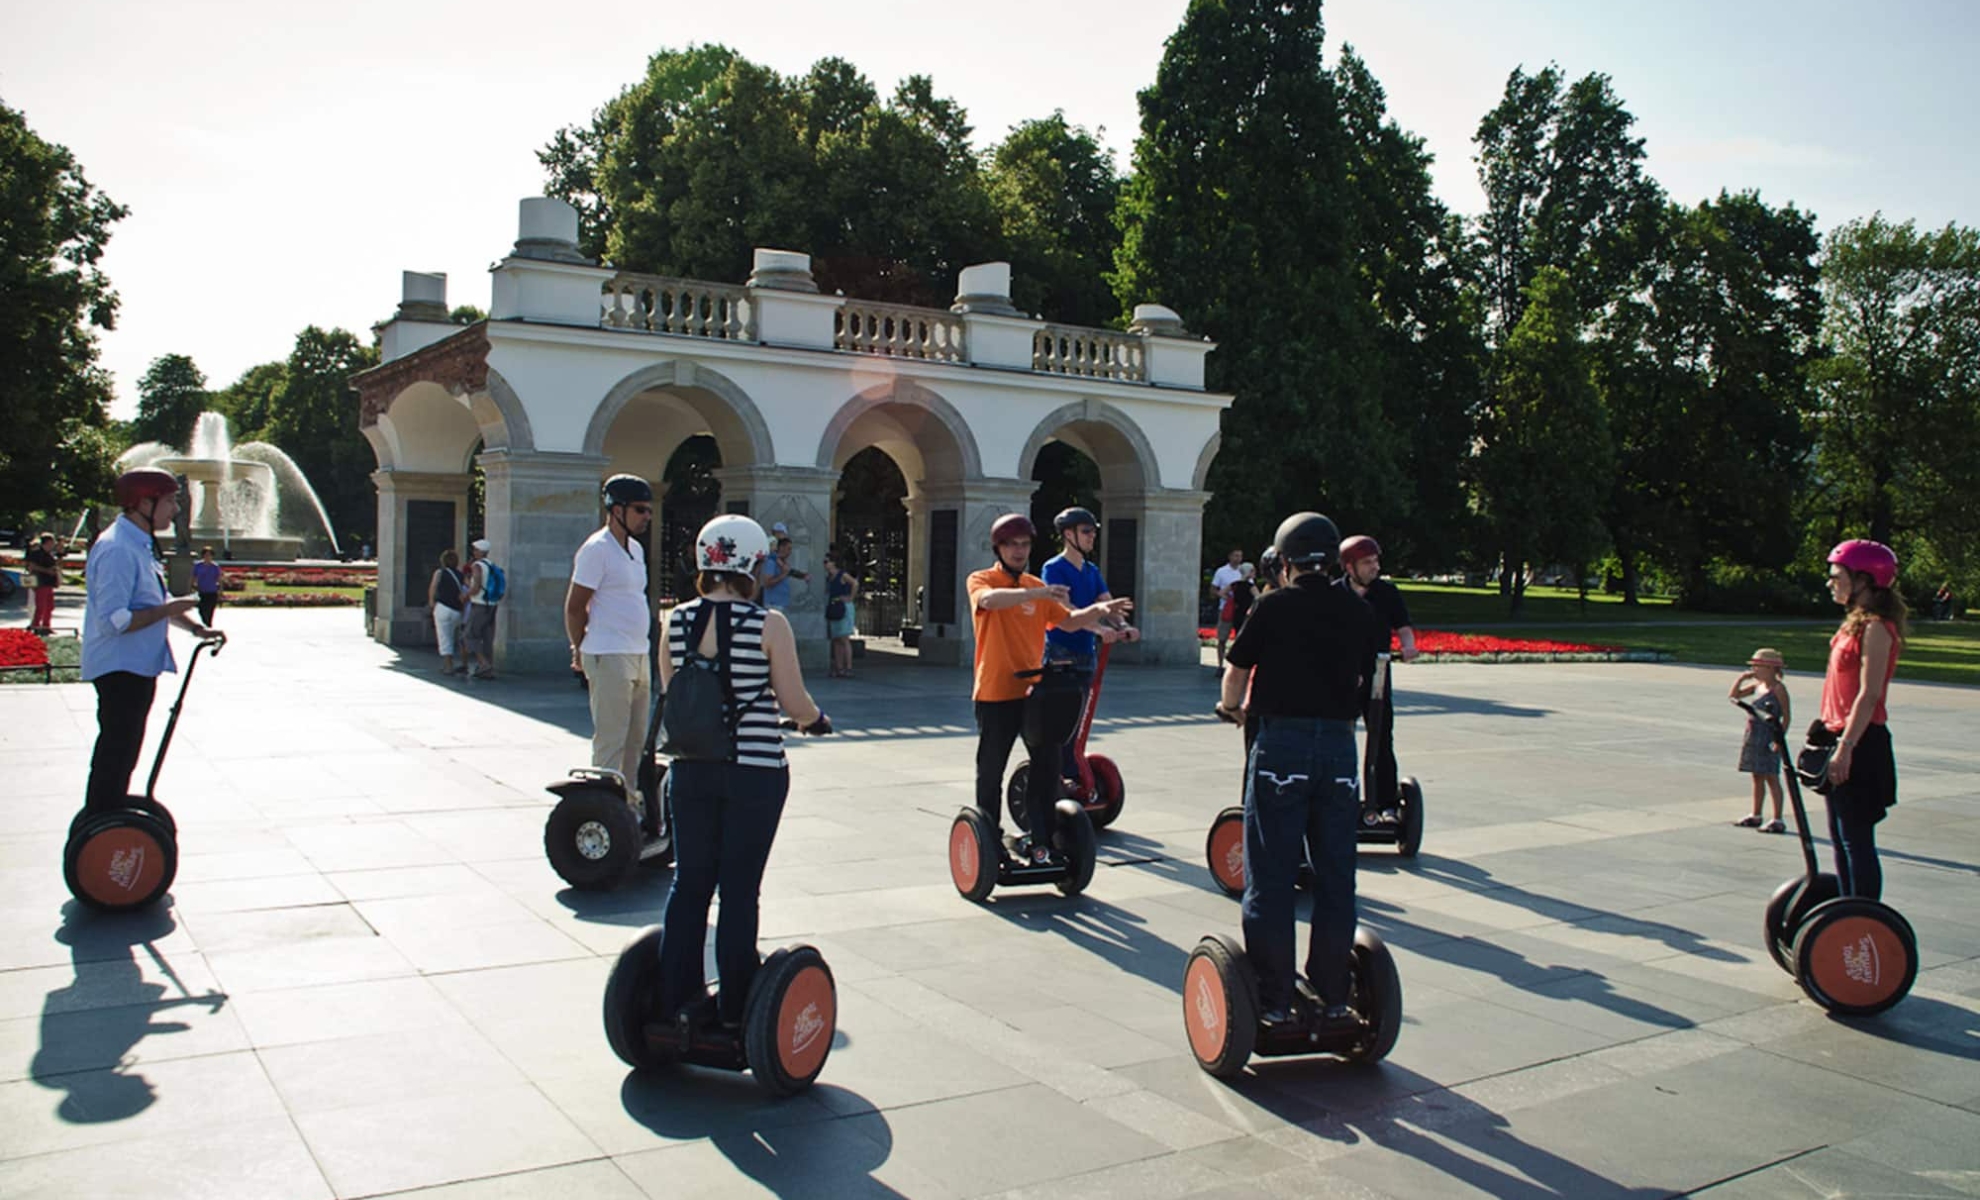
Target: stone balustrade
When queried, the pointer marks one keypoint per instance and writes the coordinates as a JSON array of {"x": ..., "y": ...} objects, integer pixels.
[
  {"x": 691, "y": 307},
  {"x": 899, "y": 331},
  {"x": 1093, "y": 353}
]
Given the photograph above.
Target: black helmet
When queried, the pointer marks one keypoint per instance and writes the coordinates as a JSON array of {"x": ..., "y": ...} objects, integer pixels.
[
  {"x": 625, "y": 489},
  {"x": 1074, "y": 517},
  {"x": 1307, "y": 540},
  {"x": 1270, "y": 563}
]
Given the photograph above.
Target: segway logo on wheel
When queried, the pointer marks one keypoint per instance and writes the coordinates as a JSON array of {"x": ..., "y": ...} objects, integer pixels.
[
  {"x": 810, "y": 1023},
  {"x": 1860, "y": 960},
  {"x": 126, "y": 866},
  {"x": 1234, "y": 861},
  {"x": 1206, "y": 1005}
]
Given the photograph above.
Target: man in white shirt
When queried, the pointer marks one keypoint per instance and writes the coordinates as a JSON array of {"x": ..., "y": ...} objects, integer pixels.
[
  {"x": 1231, "y": 572},
  {"x": 610, "y": 624}
]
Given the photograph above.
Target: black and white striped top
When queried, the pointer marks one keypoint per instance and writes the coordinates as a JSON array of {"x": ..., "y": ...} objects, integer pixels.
[{"x": 759, "y": 742}]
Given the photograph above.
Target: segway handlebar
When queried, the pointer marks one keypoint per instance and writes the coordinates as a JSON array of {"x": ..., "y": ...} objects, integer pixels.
[{"x": 818, "y": 728}]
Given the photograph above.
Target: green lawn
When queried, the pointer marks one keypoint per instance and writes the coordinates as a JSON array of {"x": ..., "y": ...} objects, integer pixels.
[{"x": 1941, "y": 652}]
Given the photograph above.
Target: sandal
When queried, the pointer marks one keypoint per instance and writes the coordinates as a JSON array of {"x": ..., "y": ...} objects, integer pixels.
[
  {"x": 1774, "y": 826},
  {"x": 1752, "y": 822}
]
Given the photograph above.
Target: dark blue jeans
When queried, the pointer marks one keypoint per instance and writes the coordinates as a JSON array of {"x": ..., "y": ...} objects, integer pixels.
[
  {"x": 1855, "y": 807},
  {"x": 725, "y": 819},
  {"x": 1301, "y": 801}
]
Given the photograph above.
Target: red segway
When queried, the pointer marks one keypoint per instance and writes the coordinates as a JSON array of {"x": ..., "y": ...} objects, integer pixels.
[
  {"x": 1220, "y": 1009},
  {"x": 1097, "y": 788},
  {"x": 125, "y": 858},
  {"x": 789, "y": 1019},
  {"x": 1853, "y": 956},
  {"x": 599, "y": 834}
]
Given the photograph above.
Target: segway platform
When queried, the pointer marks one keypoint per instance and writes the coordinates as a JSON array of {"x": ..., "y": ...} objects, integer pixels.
[
  {"x": 1221, "y": 1010},
  {"x": 789, "y": 1019},
  {"x": 980, "y": 862},
  {"x": 1098, "y": 787}
]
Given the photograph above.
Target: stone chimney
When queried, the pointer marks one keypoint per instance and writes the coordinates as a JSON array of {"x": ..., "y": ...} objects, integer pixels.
[
  {"x": 548, "y": 230},
  {"x": 782, "y": 271},
  {"x": 422, "y": 296},
  {"x": 985, "y": 288}
]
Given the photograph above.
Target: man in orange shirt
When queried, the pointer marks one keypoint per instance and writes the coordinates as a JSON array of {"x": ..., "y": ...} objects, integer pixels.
[{"x": 1012, "y": 609}]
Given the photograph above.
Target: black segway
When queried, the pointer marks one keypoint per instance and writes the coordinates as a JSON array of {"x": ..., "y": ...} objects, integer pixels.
[
  {"x": 596, "y": 836},
  {"x": 1853, "y": 956},
  {"x": 980, "y": 862},
  {"x": 1220, "y": 1009},
  {"x": 1097, "y": 784},
  {"x": 789, "y": 1019},
  {"x": 124, "y": 858}
]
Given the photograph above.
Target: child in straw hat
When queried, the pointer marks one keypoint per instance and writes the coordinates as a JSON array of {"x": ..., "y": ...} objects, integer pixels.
[{"x": 1759, "y": 755}]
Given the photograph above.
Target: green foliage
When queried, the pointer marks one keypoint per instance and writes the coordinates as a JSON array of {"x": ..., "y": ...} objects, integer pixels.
[
  {"x": 53, "y": 229},
  {"x": 1899, "y": 422},
  {"x": 1054, "y": 189},
  {"x": 171, "y": 396},
  {"x": 467, "y": 314},
  {"x": 313, "y": 418},
  {"x": 249, "y": 402},
  {"x": 1544, "y": 468}
]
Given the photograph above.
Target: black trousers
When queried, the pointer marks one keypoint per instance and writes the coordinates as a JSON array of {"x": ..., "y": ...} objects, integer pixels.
[
  {"x": 208, "y": 601},
  {"x": 1045, "y": 719},
  {"x": 1380, "y": 778},
  {"x": 123, "y": 705}
]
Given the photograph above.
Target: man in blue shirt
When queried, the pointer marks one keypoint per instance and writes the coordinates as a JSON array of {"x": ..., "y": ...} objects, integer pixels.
[
  {"x": 1073, "y": 568},
  {"x": 124, "y": 647}
]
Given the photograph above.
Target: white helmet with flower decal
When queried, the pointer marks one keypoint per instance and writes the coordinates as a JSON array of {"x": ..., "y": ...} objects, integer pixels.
[{"x": 731, "y": 543}]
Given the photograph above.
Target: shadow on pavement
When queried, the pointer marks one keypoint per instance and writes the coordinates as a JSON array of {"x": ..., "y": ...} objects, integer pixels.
[{"x": 790, "y": 1147}]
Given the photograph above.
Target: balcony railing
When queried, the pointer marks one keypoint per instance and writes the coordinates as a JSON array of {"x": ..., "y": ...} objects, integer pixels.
[
  {"x": 658, "y": 304},
  {"x": 1094, "y": 353},
  {"x": 899, "y": 331}
]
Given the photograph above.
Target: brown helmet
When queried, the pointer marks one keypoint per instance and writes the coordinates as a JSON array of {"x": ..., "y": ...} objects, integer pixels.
[
  {"x": 1358, "y": 547},
  {"x": 145, "y": 483},
  {"x": 1010, "y": 528}
]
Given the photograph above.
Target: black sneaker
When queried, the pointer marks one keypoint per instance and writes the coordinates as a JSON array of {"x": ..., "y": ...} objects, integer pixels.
[
  {"x": 1339, "y": 1016},
  {"x": 1277, "y": 1018}
]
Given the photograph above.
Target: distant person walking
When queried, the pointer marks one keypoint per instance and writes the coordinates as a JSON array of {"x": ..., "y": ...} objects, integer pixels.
[
  {"x": 1227, "y": 577},
  {"x": 774, "y": 576},
  {"x": 1942, "y": 601},
  {"x": 44, "y": 576},
  {"x": 610, "y": 625},
  {"x": 1863, "y": 655},
  {"x": 446, "y": 596},
  {"x": 841, "y": 593},
  {"x": 486, "y": 585},
  {"x": 1759, "y": 754},
  {"x": 206, "y": 581}
]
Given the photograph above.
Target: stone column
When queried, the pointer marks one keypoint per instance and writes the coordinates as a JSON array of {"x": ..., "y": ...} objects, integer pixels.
[
  {"x": 540, "y": 508},
  {"x": 950, "y": 637},
  {"x": 420, "y": 514},
  {"x": 800, "y": 497},
  {"x": 1170, "y": 570},
  {"x": 916, "y": 505}
]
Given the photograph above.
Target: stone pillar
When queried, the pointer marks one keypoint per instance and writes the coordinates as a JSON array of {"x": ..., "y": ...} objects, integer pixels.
[
  {"x": 800, "y": 497},
  {"x": 540, "y": 508},
  {"x": 916, "y": 505},
  {"x": 972, "y": 507},
  {"x": 1169, "y": 533},
  {"x": 419, "y": 515}
]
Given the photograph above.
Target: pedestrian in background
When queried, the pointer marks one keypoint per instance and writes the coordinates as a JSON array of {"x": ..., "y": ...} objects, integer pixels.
[
  {"x": 446, "y": 594},
  {"x": 206, "y": 581}
]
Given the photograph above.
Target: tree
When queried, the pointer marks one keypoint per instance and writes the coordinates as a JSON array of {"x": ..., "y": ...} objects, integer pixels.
[
  {"x": 248, "y": 403},
  {"x": 1054, "y": 189},
  {"x": 53, "y": 229},
  {"x": 1543, "y": 470},
  {"x": 313, "y": 418},
  {"x": 171, "y": 396},
  {"x": 1703, "y": 367},
  {"x": 1237, "y": 215},
  {"x": 1899, "y": 416}
]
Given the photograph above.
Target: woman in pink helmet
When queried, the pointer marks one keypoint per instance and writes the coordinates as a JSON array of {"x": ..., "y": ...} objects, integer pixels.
[{"x": 1862, "y": 657}]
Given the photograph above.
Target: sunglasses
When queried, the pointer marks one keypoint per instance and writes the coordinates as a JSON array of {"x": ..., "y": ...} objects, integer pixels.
[{"x": 642, "y": 509}]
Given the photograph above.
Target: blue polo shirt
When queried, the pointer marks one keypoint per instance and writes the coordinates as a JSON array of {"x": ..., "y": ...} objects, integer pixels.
[
  {"x": 123, "y": 577},
  {"x": 1086, "y": 586}
]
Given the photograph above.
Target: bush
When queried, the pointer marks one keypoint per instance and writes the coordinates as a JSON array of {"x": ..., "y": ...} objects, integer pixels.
[{"x": 1735, "y": 588}]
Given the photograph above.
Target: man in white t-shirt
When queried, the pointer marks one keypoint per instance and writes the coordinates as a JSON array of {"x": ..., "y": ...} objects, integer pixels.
[
  {"x": 1230, "y": 573},
  {"x": 610, "y": 624}
]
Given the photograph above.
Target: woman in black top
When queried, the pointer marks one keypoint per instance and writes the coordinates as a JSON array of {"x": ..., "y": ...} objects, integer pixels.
[{"x": 445, "y": 597}]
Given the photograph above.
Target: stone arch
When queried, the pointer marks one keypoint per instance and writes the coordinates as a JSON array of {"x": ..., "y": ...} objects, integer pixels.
[
  {"x": 1105, "y": 434},
  {"x": 1200, "y": 478},
  {"x": 503, "y": 418},
  {"x": 425, "y": 428},
  {"x": 906, "y": 410},
  {"x": 736, "y": 422}
]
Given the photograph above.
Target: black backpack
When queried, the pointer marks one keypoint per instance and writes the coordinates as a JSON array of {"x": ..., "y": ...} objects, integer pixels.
[{"x": 699, "y": 717}]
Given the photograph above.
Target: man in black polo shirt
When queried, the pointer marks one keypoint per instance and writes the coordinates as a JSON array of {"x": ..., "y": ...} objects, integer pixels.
[
  {"x": 1305, "y": 653},
  {"x": 1361, "y": 573}
]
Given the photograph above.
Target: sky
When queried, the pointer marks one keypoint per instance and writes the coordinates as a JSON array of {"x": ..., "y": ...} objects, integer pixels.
[{"x": 283, "y": 164}]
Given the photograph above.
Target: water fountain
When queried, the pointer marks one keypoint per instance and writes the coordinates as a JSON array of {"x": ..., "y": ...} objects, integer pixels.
[{"x": 251, "y": 501}]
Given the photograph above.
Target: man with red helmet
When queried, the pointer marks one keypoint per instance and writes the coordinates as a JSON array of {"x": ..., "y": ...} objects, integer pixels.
[
  {"x": 124, "y": 647},
  {"x": 1863, "y": 655},
  {"x": 1361, "y": 574},
  {"x": 1011, "y": 610}
]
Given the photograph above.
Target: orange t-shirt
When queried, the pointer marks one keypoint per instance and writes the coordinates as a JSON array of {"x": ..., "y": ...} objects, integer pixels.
[{"x": 1012, "y": 639}]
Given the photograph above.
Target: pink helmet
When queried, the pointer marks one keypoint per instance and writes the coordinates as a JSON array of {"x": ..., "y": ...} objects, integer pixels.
[{"x": 1874, "y": 559}]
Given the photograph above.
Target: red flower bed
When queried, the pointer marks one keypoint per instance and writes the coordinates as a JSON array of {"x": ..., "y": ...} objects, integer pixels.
[
  {"x": 1437, "y": 641},
  {"x": 19, "y": 648},
  {"x": 292, "y": 600}
]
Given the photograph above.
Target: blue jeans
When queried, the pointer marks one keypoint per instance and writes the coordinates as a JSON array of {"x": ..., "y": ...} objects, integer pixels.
[
  {"x": 725, "y": 818},
  {"x": 1301, "y": 801}
]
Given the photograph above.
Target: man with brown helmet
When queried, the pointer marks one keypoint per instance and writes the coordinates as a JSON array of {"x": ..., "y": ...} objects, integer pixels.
[{"x": 1361, "y": 574}]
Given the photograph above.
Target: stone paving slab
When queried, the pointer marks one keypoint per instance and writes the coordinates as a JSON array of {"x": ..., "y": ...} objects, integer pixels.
[{"x": 369, "y": 982}]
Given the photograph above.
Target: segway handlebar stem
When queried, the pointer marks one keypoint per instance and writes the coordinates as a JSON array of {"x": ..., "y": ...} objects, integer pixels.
[{"x": 212, "y": 645}]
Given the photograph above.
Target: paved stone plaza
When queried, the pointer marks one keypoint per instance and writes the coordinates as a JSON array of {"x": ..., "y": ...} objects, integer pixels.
[{"x": 369, "y": 981}]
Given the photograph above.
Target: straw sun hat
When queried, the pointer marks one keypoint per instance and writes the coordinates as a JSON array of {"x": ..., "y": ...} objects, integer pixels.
[{"x": 1766, "y": 657}]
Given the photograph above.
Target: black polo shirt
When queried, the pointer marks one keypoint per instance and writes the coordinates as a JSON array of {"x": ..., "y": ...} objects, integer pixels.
[
  {"x": 1309, "y": 646},
  {"x": 1385, "y": 598}
]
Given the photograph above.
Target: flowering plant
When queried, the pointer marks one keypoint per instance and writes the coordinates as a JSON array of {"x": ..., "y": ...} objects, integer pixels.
[{"x": 19, "y": 648}]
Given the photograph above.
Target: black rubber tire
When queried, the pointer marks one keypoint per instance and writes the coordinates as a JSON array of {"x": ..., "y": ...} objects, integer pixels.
[
  {"x": 592, "y": 838},
  {"x": 1788, "y": 908},
  {"x": 1239, "y": 1015},
  {"x": 763, "y": 1011},
  {"x": 632, "y": 999},
  {"x": 148, "y": 836},
  {"x": 1810, "y": 937},
  {"x": 1109, "y": 788},
  {"x": 1409, "y": 838},
  {"x": 1082, "y": 848},
  {"x": 987, "y": 852},
  {"x": 1220, "y": 873},
  {"x": 1377, "y": 997},
  {"x": 1014, "y": 797}
]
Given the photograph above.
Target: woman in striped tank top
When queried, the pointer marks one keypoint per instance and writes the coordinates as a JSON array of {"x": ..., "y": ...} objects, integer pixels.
[{"x": 726, "y": 813}]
